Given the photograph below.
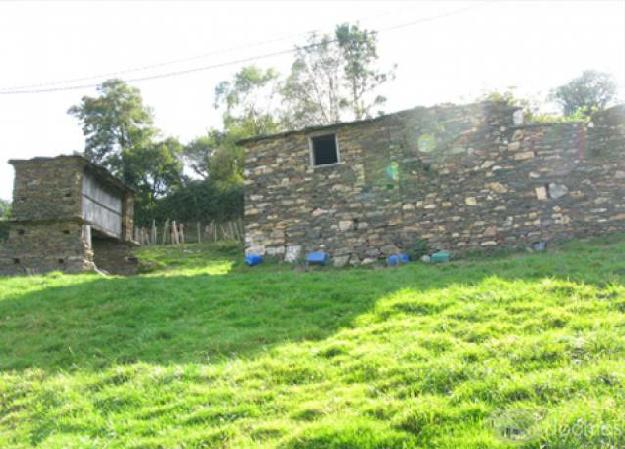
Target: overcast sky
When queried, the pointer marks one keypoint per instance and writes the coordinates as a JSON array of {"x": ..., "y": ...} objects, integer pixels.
[{"x": 458, "y": 51}]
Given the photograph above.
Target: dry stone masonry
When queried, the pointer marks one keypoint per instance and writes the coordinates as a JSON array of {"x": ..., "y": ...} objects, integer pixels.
[
  {"x": 458, "y": 177},
  {"x": 68, "y": 215}
]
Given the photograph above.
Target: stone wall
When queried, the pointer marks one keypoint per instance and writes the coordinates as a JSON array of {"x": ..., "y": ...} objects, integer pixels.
[
  {"x": 49, "y": 230},
  {"x": 458, "y": 177},
  {"x": 42, "y": 247},
  {"x": 114, "y": 257},
  {"x": 47, "y": 189}
]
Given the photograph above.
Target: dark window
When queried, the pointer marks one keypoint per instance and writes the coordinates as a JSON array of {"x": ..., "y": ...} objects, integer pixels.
[{"x": 324, "y": 150}]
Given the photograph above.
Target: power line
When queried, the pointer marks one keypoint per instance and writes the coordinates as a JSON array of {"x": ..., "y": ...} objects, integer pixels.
[
  {"x": 166, "y": 63},
  {"x": 153, "y": 77},
  {"x": 18, "y": 91},
  {"x": 145, "y": 67}
]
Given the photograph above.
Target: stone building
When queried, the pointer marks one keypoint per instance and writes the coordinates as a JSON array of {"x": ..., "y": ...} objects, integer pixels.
[
  {"x": 68, "y": 215},
  {"x": 455, "y": 177}
]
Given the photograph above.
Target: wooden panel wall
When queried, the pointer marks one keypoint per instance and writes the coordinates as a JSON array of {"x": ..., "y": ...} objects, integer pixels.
[{"x": 102, "y": 208}]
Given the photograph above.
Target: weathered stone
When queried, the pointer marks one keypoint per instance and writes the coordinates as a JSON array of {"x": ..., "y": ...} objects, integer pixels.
[
  {"x": 318, "y": 211},
  {"x": 490, "y": 231},
  {"x": 340, "y": 261},
  {"x": 557, "y": 190},
  {"x": 293, "y": 253},
  {"x": 470, "y": 201},
  {"x": 275, "y": 250},
  {"x": 497, "y": 187},
  {"x": 525, "y": 155},
  {"x": 514, "y": 146},
  {"x": 346, "y": 225},
  {"x": 425, "y": 258},
  {"x": 541, "y": 193},
  {"x": 388, "y": 250}
]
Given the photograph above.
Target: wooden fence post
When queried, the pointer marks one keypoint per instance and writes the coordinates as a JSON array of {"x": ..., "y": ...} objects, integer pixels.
[
  {"x": 165, "y": 231},
  {"x": 174, "y": 233}
]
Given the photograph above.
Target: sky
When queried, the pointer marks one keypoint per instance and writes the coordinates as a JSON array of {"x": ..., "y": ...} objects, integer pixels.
[{"x": 445, "y": 51}]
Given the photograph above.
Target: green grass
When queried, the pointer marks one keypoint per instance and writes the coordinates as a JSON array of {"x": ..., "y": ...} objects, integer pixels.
[{"x": 202, "y": 352}]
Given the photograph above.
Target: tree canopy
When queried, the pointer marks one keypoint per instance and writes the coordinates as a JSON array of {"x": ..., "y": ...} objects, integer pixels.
[
  {"x": 592, "y": 91},
  {"x": 120, "y": 135},
  {"x": 114, "y": 121},
  {"x": 334, "y": 77}
]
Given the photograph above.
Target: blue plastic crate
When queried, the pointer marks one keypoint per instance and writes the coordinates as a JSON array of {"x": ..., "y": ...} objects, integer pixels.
[
  {"x": 404, "y": 258},
  {"x": 253, "y": 259},
  {"x": 317, "y": 258},
  {"x": 393, "y": 260}
]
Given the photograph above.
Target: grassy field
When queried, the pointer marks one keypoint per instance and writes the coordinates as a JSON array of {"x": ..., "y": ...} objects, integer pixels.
[{"x": 520, "y": 351}]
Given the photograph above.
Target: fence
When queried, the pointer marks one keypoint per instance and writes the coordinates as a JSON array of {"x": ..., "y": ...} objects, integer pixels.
[{"x": 172, "y": 233}]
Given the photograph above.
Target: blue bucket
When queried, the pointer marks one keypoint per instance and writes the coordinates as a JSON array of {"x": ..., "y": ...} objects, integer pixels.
[
  {"x": 253, "y": 259},
  {"x": 317, "y": 258}
]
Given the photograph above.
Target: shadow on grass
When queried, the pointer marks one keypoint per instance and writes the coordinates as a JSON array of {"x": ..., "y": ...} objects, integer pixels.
[{"x": 194, "y": 319}]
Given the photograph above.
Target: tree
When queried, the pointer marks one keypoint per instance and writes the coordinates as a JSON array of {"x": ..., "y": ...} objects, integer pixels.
[
  {"x": 247, "y": 103},
  {"x": 332, "y": 76},
  {"x": 120, "y": 135},
  {"x": 216, "y": 156},
  {"x": 114, "y": 121},
  {"x": 154, "y": 169},
  {"x": 248, "y": 100},
  {"x": 590, "y": 92},
  {"x": 5, "y": 209},
  {"x": 531, "y": 106},
  {"x": 359, "y": 51},
  {"x": 312, "y": 90},
  {"x": 5, "y": 214},
  {"x": 199, "y": 152},
  {"x": 201, "y": 200}
]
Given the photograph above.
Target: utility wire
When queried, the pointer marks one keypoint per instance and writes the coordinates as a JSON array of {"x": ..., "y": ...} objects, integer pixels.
[
  {"x": 19, "y": 90},
  {"x": 152, "y": 66},
  {"x": 173, "y": 61}
]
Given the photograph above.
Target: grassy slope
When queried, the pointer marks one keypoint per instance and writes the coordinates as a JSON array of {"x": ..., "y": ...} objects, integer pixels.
[{"x": 207, "y": 354}]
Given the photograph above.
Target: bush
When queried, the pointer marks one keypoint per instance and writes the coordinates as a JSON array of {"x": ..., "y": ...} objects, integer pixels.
[
  {"x": 196, "y": 201},
  {"x": 420, "y": 248}
]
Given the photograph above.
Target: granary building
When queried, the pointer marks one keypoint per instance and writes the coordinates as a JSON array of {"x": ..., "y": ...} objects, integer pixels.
[
  {"x": 68, "y": 215},
  {"x": 450, "y": 177}
]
